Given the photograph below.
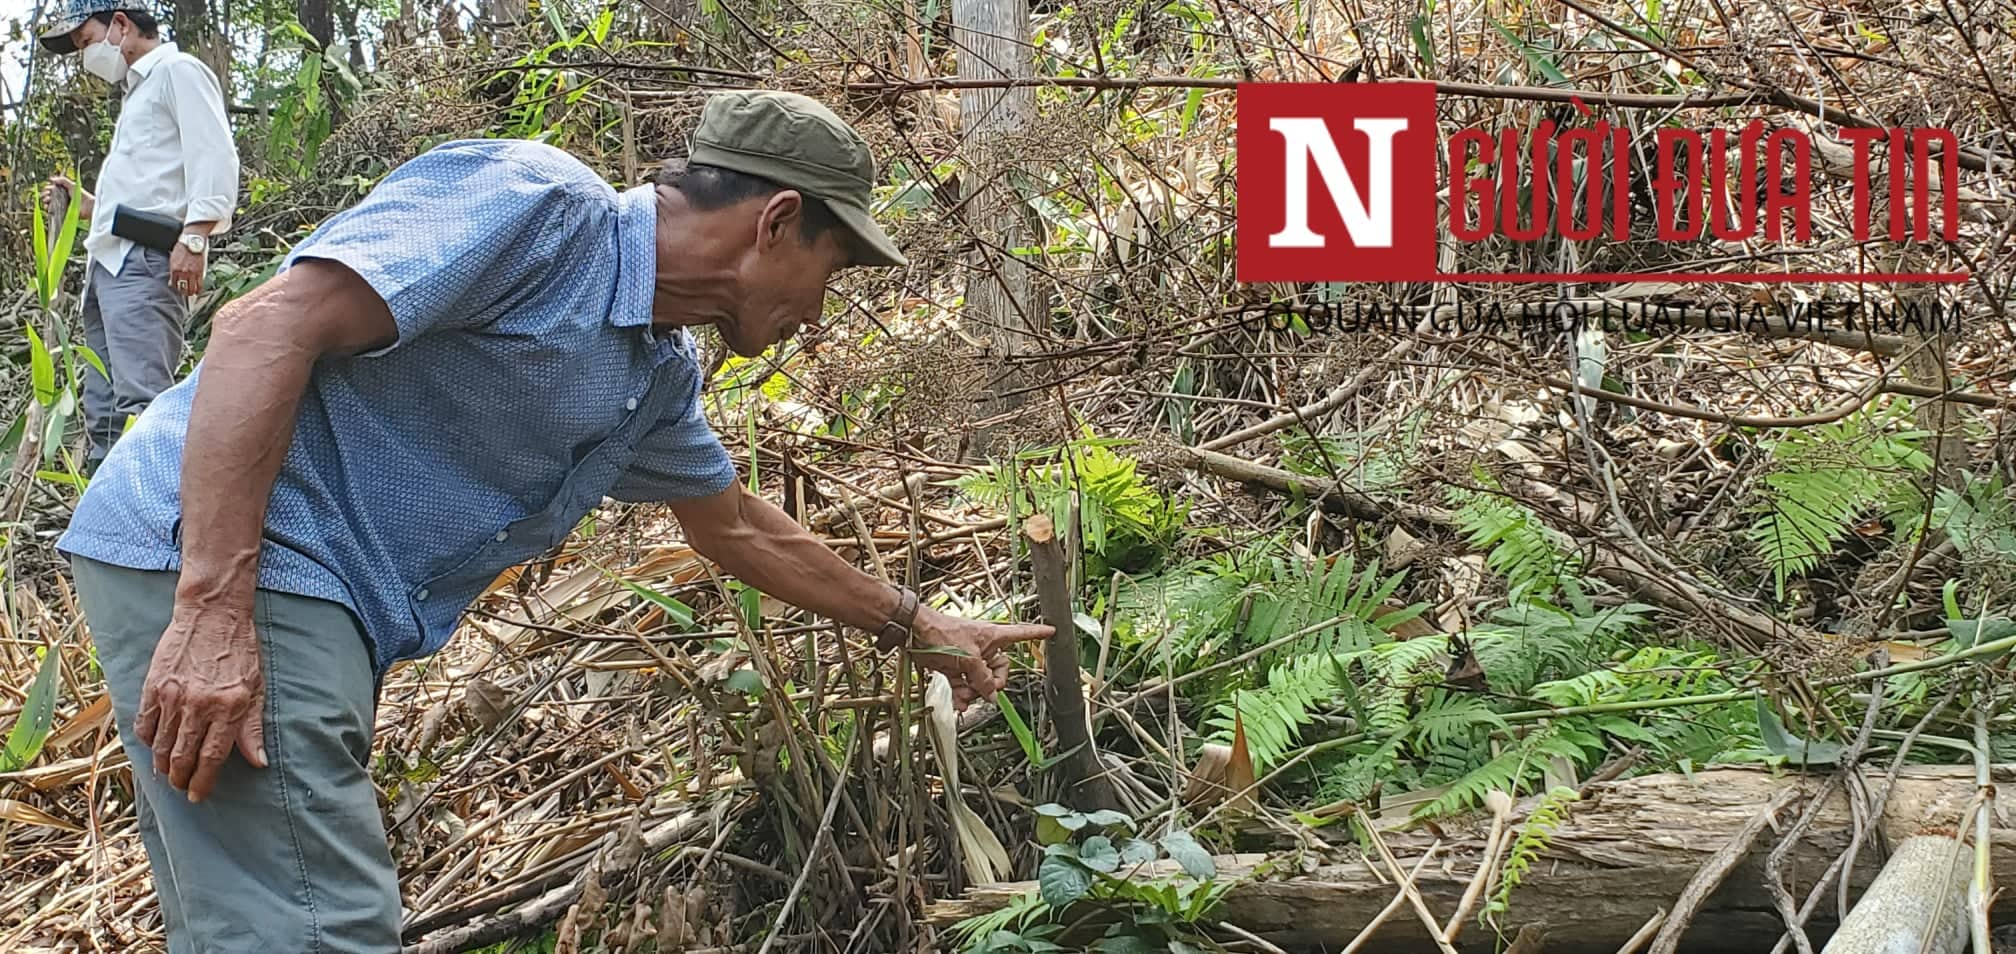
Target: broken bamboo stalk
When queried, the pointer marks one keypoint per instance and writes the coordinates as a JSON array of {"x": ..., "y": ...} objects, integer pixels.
[
  {"x": 1917, "y": 904},
  {"x": 1081, "y": 781}
]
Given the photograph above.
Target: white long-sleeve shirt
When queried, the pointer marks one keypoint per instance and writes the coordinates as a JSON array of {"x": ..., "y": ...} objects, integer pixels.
[{"x": 171, "y": 152}]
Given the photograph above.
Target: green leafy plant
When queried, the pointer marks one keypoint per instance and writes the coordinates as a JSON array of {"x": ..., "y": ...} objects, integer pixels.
[
  {"x": 1547, "y": 815},
  {"x": 1824, "y": 477},
  {"x": 1096, "y": 858},
  {"x": 1124, "y": 523},
  {"x": 1980, "y": 517},
  {"x": 1530, "y": 556},
  {"x": 38, "y": 710},
  {"x": 304, "y": 111}
]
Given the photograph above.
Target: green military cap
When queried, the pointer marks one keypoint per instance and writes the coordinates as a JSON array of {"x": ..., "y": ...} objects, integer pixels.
[{"x": 797, "y": 143}]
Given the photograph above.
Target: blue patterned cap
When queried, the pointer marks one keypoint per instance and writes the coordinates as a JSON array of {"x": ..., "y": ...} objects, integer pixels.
[{"x": 68, "y": 15}]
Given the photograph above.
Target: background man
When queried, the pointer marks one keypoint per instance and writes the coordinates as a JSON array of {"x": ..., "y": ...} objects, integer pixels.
[
  {"x": 171, "y": 155},
  {"x": 438, "y": 385}
]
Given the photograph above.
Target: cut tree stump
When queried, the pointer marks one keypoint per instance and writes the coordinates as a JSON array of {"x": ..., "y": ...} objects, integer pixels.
[
  {"x": 1626, "y": 851},
  {"x": 1081, "y": 781}
]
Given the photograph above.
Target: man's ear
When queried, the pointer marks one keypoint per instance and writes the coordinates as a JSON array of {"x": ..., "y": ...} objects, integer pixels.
[{"x": 779, "y": 220}]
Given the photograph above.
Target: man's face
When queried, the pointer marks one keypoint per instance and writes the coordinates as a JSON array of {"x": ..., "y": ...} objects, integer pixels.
[
  {"x": 782, "y": 277},
  {"x": 93, "y": 32}
]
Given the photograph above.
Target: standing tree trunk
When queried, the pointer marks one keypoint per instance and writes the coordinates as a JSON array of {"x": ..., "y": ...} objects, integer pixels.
[
  {"x": 355, "y": 36},
  {"x": 315, "y": 18},
  {"x": 194, "y": 32},
  {"x": 992, "y": 40}
]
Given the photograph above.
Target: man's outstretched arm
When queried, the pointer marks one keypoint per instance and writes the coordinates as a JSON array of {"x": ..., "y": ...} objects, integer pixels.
[
  {"x": 205, "y": 689},
  {"x": 760, "y": 544}
]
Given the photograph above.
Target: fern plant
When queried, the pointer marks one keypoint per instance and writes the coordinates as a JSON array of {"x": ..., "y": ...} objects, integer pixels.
[
  {"x": 1361, "y": 459},
  {"x": 1347, "y": 655},
  {"x": 1518, "y": 765},
  {"x": 1547, "y": 815},
  {"x": 1980, "y": 517},
  {"x": 1824, "y": 477},
  {"x": 1123, "y": 522},
  {"x": 1256, "y": 597},
  {"x": 1530, "y": 556}
]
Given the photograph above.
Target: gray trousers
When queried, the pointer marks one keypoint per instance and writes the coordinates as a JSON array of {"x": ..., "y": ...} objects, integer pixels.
[
  {"x": 289, "y": 858},
  {"x": 134, "y": 321}
]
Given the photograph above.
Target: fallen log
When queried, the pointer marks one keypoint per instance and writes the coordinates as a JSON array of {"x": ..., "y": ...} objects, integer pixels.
[{"x": 1626, "y": 852}]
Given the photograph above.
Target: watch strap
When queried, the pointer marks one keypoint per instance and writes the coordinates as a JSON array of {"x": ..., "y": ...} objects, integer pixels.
[{"x": 896, "y": 632}]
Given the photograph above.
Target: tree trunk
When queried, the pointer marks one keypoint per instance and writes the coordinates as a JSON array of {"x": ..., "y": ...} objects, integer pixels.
[
  {"x": 315, "y": 18},
  {"x": 1081, "y": 781},
  {"x": 193, "y": 31},
  {"x": 992, "y": 40},
  {"x": 1625, "y": 853}
]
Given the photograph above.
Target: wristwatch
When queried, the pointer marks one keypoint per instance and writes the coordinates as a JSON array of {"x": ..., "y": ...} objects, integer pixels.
[
  {"x": 896, "y": 632},
  {"x": 195, "y": 242}
]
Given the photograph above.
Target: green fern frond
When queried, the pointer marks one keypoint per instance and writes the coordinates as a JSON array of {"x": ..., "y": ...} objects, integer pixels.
[
  {"x": 1018, "y": 912},
  {"x": 1518, "y": 764},
  {"x": 1499, "y": 774},
  {"x": 1332, "y": 604},
  {"x": 1547, "y": 815},
  {"x": 1980, "y": 517},
  {"x": 1274, "y": 715},
  {"x": 1453, "y": 720},
  {"x": 1354, "y": 778},
  {"x": 1528, "y": 555},
  {"x": 1823, "y": 477}
]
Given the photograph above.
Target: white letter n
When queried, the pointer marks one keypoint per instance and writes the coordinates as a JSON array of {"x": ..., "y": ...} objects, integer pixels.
[{"x": 1368, "y": 216}]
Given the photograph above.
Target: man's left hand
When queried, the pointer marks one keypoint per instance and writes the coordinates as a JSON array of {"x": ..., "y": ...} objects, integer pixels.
[
  {"x": 185, "y": 271},
  {"x": 967, "y": 651}
]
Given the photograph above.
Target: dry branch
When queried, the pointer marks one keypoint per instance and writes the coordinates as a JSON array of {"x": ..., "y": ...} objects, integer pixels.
[{"x": 1716, "y": 868}]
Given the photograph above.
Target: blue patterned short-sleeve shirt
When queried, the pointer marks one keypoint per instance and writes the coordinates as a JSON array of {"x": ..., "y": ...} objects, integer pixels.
[{"x": 525, "y": 385}]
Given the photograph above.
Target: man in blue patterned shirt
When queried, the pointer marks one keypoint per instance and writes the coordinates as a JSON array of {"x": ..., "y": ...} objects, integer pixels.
[{"x": 439, "y": 384}]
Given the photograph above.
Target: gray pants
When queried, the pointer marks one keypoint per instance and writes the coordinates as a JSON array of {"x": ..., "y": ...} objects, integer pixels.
[
  {"x": 134, "y": 321},
  {"x": 289, "y": 858}
]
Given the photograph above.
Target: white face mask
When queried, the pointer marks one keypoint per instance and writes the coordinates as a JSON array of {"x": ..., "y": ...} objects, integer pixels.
[{"x": 105, "y": 61}]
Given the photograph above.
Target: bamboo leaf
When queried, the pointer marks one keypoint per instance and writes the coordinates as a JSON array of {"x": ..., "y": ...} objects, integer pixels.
[
  {"x": 41, "y": 242},
  {"x": 26, "y": 814},
  {"x": 1024, "y": 736},
  {"x": 679, "y": 612},
  {"x": 1533, "y": 57},
  {"x": 66, "y": 235},
  {"x": 41, "y": 369},
  {"x": 24, "y": 741},
  {"x": 91, "y": 358}
]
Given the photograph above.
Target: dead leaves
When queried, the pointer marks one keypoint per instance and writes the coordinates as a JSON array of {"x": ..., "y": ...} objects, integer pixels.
[
  {"x": 26, "y": 814},
  {"x": 1223, "y": 772}
]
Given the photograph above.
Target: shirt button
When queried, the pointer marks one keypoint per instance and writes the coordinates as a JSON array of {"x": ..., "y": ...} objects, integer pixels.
[
  {"x": 630, "y": 405},
  {"x": 421, "y": 594},
  {"x": 503, "y": 535}
]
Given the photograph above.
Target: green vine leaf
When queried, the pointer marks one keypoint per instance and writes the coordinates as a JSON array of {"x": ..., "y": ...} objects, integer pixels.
[
  {"x": 38, "y": 710},
  {"x": 1135, "y": 851},
  {"x": 1062, "y": 881},
  {"x": 1099, "y": 854},
  {"x": 1196, "y": 862}
]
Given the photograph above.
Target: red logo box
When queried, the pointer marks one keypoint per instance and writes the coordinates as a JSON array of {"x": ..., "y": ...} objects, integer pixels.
[{"x": 1357, "y": 161}]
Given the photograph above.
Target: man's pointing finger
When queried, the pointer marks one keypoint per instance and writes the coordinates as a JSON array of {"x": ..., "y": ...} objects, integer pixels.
[{"x": 1019, "y": 633}]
